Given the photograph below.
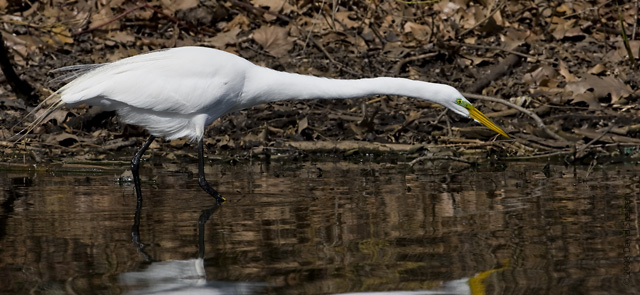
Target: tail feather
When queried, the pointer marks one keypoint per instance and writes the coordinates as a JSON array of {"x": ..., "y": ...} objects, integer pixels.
[
  {"x": 54, "y": 101},
  {"x": 72, "y": 72},
  {"x": 56, "y": 105}
]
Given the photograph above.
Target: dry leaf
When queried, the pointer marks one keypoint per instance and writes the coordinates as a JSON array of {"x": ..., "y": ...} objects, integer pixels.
[
  {"x": 565, "y": 28},
  {"x": 635, "y": 49},
  {"x": 58, "y": 115},
  {"x": 600, "y": 87},
  {"x": 420, "y": 32},
  {"x": 621, "y": 54},
  {"x": 60, "y": 33},
  {"x": 589, "y": 98},
  {"x": 178, "y": 143},
  {"x": 281, "y": 6},
  {"x": 240, "y": 21},
  {"x": 121, "y": 37},
  {"x": 447, "y": 8},
  {"x": 566, "y": 74},
  {"x": 22, "y": 44},
  {"x": 343, "y": 18},
  {"x": 513, "y": 38},
  {"x": 475, "y": 60},
  {"x": 105, "y": 19},
  {"x": 597, "y": 69},
  {"x": 221, "y": 40},
  {"x": 175, "y": 5},
  {"x": 542, "y": 76},
  {"x": 273, "y": 39},
  {"x": 304, "y": 123},
  {"x": 63, "y": 139}
]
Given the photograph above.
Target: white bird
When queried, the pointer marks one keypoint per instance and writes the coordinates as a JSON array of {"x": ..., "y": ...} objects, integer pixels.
[{"x": 177, "y": 92}]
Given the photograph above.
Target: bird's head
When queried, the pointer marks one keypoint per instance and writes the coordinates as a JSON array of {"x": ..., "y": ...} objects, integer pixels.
[{"x": 463, "y": 107}]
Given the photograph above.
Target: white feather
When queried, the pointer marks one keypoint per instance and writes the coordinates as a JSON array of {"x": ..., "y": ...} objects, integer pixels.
[{"x": 176, "y": 92}]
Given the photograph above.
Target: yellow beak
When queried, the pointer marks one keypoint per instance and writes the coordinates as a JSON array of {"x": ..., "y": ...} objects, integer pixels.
[{"x": 480, "y": 117}]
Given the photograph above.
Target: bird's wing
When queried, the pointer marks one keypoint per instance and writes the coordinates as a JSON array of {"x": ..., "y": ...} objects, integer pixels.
[{"x": 182, "y": 80}]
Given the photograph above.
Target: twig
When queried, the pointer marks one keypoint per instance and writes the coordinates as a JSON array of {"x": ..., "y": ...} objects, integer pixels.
[
  {"x": 495, "y": 72},
  {"x": 444, "y": 112},
  {"x": 442, "y": 158},
  {"x": 496, "y": 48},
  {"x": 625, "y": 40},
  {"x": 560, "y": 153},
  {"x": 581, "y": 149},
  {"x": 531, "y": 114},
  {"x": 635, "y": 23}
]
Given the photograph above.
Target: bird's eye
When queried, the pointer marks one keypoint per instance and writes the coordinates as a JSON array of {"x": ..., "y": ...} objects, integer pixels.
[{"x": 459, "y": 101}]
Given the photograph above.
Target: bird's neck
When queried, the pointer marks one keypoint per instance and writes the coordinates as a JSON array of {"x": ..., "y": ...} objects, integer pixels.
[{"x": 267, "y": 85}]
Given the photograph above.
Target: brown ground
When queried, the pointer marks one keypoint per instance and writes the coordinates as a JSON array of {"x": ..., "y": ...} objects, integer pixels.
[{"x": 556, "y": 75}]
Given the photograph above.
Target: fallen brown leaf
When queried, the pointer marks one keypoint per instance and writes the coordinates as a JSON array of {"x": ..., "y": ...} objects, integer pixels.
[
  {"x": 600, "y": 87},
  {"x": 175, "y": 5},
  {"x": 564, "y": 71},
  {"x": 221, "y": 40},
  {"x": 420, "y": 32},
  {"x": 273, "y": 39},
  {"x": 597, "y": 69},
  {"x": 542, "y": 76}
]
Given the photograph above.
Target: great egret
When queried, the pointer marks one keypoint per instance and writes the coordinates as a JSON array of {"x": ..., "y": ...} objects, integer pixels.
[{"x": 177, "y": 92}]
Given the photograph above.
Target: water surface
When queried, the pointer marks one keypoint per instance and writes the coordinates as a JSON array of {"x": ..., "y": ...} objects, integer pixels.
[{"x": 324, "y": 227}]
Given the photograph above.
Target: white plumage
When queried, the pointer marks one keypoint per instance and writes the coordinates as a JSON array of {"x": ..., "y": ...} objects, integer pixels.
[{"x": 177, "y": 92}]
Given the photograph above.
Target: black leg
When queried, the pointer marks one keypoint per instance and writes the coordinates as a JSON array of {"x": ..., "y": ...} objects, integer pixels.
[
  {"x": 203, "y": 181},
  {"x": 135, "y": 232},
  {"x": 204, "y": 217},
  {"x": 135, "y": 165}
]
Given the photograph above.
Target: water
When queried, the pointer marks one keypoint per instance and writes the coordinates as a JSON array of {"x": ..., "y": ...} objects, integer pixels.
[{"x": 323, "y": 227}]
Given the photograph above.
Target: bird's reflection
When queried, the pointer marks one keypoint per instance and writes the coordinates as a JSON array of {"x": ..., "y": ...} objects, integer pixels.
[
  {"x": 178, "y": 276},
  {"x": 476, "y": 285},
  {"x": 135, "y": 229}
]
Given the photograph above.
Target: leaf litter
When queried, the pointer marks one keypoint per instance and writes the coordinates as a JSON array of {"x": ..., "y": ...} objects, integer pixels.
[{"x": 564, "y": 64}]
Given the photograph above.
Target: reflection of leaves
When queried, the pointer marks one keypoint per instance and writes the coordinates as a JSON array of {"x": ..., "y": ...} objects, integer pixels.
[{"x": 273, "y": 39}]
